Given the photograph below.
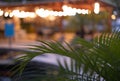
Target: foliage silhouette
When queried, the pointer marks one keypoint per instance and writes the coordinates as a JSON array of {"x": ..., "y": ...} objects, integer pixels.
[{"x": 91, "y": 61}]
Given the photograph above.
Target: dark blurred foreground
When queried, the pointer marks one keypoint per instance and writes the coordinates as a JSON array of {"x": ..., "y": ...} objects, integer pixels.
[{"x": 32, "y": 69}]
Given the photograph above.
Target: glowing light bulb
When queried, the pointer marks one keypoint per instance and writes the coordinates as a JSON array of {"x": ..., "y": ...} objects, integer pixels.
[
  {"x": 96, "y": 8},
  {"x": 113, "y": 17},
  {"x": 6, "y": 14},
  {"x": 1, "y": 12}
]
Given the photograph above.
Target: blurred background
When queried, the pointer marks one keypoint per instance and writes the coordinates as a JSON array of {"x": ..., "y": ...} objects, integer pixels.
[
  {"x": 23, "y": 22},
  {"x": 52, "y": 19}
]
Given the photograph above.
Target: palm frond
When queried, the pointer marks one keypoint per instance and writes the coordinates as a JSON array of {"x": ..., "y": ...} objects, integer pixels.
[{"x": 99, "y": 59}]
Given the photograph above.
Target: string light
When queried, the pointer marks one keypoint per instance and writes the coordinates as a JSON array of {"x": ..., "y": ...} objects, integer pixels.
[
  {"x": 66, "y": 11},
  {"x": 23, "y": 14}
]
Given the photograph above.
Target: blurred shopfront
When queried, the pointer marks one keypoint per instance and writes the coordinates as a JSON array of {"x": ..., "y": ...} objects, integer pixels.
[{"x": 51, "y": 19}]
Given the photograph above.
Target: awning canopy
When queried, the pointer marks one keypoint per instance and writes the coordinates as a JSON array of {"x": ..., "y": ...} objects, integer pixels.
[
  {"x": 50, "y": 4},
  {"x": 4, "y": 3}
]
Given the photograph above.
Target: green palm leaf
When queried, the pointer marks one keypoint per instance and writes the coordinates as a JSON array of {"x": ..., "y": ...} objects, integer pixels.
[{"x": 99, "y": 59}]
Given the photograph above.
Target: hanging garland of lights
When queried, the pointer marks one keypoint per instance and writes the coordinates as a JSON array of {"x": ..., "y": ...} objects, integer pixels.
[{"x": 66, "y": 11}]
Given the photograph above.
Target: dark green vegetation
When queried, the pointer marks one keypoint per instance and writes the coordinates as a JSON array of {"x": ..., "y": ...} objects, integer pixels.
[{"x": 97, "y": 59}]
